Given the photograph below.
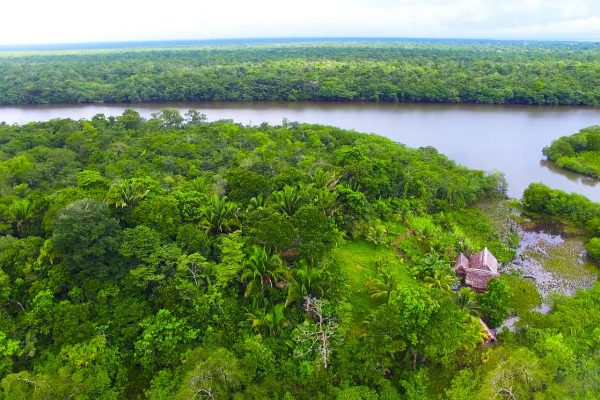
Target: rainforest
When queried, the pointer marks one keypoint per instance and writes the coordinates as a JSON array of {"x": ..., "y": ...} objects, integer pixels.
[
  {"x": 442, "y": 72},
  {"x": 172, "y": 256}
]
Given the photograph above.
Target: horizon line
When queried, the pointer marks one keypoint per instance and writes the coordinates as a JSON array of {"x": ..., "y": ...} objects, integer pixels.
[{"x": 263, "y": 40}]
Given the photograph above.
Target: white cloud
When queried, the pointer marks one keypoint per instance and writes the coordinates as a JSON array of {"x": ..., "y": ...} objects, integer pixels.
[
  {"x": 570, "y": 29},
  {"x": 43, "y": 21}
]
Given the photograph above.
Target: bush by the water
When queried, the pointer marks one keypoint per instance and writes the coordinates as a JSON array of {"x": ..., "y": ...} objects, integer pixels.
[{"x": 579, "y": 152}]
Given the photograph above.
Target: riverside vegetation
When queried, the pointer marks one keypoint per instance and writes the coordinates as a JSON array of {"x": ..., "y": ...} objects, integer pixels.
[
  {"x": 579, "y": 152},
  {"x": 445, "y": 72},
  {"x": 572, "y": 209},
  {"x": 173, "y": 258}
]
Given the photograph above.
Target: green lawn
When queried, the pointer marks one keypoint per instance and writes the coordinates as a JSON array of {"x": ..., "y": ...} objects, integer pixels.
[{"x": 358, "y": 260}]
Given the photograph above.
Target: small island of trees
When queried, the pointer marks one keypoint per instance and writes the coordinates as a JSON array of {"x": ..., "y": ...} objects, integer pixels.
[{"x": 579, "y": 152}]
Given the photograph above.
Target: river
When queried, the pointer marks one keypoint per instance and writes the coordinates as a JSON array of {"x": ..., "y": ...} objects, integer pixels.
[{"x": 509, "y": 139}]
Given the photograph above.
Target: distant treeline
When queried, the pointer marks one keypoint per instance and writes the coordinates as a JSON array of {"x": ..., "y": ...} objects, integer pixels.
[{"x": 492, "y": 73}]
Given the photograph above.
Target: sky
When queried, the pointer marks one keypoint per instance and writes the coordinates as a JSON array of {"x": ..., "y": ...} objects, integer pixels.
[{"x": 81, "y": 21}]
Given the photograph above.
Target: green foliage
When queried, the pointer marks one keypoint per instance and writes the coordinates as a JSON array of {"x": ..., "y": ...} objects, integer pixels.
[
  {"x": 316, "y": 232},
  {"x": 88, "y": 370},
  {"x": 463, "y": 386},
  {"x": 424, "y": 71},
  {"x": 232, "y": 258},
  {"x": 84, "y": 233},
  {"x": 127, "y": 194},
  {"x": 474, "y": 232},
  {"x": 261, "y": 270},
  {"x": 523, "y": 294},
  {"x": 357, "y": 393},
  {"x": 570, "y": 207},
  {"x": 163, "y": 338},
  {"x": 159, "y": 213},
  {"x": 243, "y": 185},
  {"x": 130, "y": 119},
  {"x": 121, "y": 253},
  {"x": 219, "y": 214},
  {"x": 268, "y": 321},
  {"x": 88, "y": 180},
  {"x": 9, "y": 349},
  {"x": 495, "y": 302},
  {"x": 593, "y": 249},
  {"x": 579, "y": 152},
  {"x": 197, "y": 269},
  {"x": 304, "y": 281},
  {"x": 21, "y": 213},
  {"x": 212, "y": 374},
  {"x": 275, "y": 232},
  {"x": 409, "y": 311},
  {"x": 169, "y": 118}
]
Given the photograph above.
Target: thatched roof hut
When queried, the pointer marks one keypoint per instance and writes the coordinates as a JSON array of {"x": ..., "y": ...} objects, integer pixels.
[{"x": 477, "y": 270}]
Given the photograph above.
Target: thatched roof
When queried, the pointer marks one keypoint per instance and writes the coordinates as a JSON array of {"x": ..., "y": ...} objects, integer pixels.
[
  {"x": 478, "y": 279},
  {"x": 484, "y": 260},
  {"x": 461, "y": 263},
  {"x": 477, "y": 270}
]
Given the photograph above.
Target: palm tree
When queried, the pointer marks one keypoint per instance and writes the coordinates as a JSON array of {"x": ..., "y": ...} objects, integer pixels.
[
  {"x": 288, "y": 200},
  {"x": 430, "y": 264},
  {"x": 466, "y": 299},
  {"x": 325, "y": 180},
  {"x": 22, "y": 215},
  {"x": 325, "y": 200},
  {"x": 256, "y": 203},
  {"x": 383, "y": 284},
  {"x": 257, "y": 319},
  {"x": 219, "y": 214},
  {"x": 303, "y": 282},
  {"x": 371, "y": 284},
  {"x": 127, "y": 194},
  {"x": 440, "y": 280},
  {"x": 273, "y": 320},
  {"x": 261, "y": 270}
]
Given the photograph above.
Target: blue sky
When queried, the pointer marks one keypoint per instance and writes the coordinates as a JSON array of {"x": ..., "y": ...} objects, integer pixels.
[{"x": 72, "y": 21}]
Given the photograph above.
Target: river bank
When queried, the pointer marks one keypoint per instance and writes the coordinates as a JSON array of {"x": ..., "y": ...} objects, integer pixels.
[
  {"x": 549, "y": 257},
  {"x": 507, "y": 139}
]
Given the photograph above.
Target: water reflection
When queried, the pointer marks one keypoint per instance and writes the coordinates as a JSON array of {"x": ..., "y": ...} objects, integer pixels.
[{"x": 572, "y": 176}]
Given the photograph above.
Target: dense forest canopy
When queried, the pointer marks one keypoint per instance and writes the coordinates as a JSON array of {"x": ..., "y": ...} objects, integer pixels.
[
  {"x": 491, "y": 73},
  {"x": 173, "y": 258},
  {"x": 579, "y": 152}
]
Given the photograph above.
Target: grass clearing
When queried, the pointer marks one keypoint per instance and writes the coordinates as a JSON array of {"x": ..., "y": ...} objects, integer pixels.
[
  {"x": 523, "y": 294},
  {"x": 358, "y": 261}
]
